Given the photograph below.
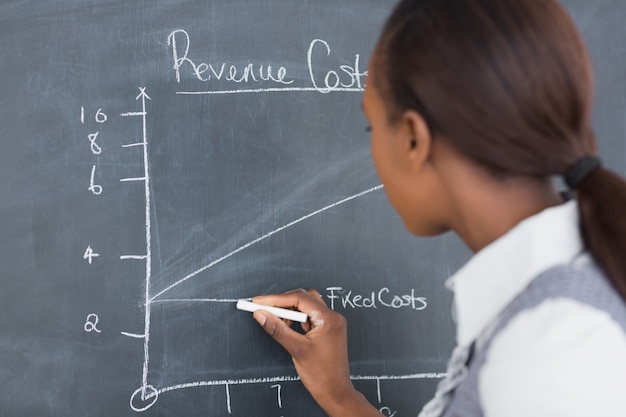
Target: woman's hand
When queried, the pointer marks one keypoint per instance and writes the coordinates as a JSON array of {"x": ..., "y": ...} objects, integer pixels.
[{"x": 320, "y": 355}]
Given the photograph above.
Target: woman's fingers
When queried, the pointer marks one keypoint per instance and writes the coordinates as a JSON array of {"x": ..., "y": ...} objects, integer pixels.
[
  {"x": 305, "y": 301},
  {"x": 309, "y": 302},
  {"x": 280, "y": 331}
]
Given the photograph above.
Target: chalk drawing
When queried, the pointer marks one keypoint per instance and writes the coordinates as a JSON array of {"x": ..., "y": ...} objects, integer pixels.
[
  {"x": 146, "y": 389},
  {"x": 146, "y": 394},
  {"x": 93, "y": 187},
  {"x": 95, "y": 148},
  {"x": 90, "y": 254},
  {"x": 347, "y": 78},
  {"x": 91, "y": 324}
]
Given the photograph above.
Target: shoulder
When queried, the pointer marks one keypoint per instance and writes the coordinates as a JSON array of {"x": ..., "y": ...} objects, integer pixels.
[{"x": 561, "y": 356}]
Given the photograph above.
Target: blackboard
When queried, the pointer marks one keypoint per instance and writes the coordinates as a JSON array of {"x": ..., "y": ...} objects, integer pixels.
[{"x": 161, "y": 159}]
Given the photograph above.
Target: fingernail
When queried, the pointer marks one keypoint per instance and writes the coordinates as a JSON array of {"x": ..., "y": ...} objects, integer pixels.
[{"x": 260, "y": 317}]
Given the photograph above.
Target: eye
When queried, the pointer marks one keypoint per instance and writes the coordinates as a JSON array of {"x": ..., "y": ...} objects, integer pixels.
[{"x": 368, "y": 129}]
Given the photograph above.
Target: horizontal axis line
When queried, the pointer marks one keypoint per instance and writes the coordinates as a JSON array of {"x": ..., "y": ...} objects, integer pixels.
[{"x": 266, "y": 380}]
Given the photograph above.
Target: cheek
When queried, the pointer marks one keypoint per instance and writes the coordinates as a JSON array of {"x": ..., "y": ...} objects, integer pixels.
[
  {"x": 416, "y": 206},
  {"x": 378, "y": 157},
  {"x": 383, "y": 162},
  {"x": 416, "y": 209}
]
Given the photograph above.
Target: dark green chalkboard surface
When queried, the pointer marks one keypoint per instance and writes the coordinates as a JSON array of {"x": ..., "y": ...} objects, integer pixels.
[{"x": 161, "y": 159}]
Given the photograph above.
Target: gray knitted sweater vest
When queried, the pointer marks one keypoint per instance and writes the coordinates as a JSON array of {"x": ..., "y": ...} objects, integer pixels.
[{"x": 581, "y": 281}]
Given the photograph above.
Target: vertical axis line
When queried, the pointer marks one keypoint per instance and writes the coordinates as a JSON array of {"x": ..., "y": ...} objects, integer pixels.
[{"x": 146, "y": 341}]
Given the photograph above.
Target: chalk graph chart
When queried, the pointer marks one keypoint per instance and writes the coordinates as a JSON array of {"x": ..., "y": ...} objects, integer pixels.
[{"x": 146, "y": 395}]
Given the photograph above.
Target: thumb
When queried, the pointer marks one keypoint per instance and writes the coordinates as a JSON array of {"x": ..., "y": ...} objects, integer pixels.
[{"x": 279, "y": 330}]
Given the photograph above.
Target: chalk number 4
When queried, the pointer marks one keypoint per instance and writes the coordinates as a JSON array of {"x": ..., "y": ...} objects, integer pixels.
[{"x": 90, "y": 254}]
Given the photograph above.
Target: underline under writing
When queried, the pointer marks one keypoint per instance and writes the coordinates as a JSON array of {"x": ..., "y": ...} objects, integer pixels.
[{"x": 273, "y": 90}]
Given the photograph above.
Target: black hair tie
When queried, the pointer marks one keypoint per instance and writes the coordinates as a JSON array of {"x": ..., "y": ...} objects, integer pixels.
[{"x": 579, "y": 172}]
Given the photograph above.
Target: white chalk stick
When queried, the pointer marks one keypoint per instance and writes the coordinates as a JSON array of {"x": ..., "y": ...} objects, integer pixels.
[{"x": 283, "y": 313}]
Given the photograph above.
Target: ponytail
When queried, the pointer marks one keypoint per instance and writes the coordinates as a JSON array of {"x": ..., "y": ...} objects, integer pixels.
[{"x": 601, "y": 202}]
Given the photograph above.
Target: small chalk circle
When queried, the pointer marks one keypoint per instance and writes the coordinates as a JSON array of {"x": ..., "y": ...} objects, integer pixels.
[{"x": 283, "y": 313}]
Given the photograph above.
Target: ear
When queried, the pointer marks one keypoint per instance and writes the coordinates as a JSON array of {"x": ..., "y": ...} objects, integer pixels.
[{"x": 417, "y": 139}]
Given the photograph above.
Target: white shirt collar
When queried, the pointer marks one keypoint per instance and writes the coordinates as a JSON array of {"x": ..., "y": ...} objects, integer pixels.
[{"x": 494, "y": 276}]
